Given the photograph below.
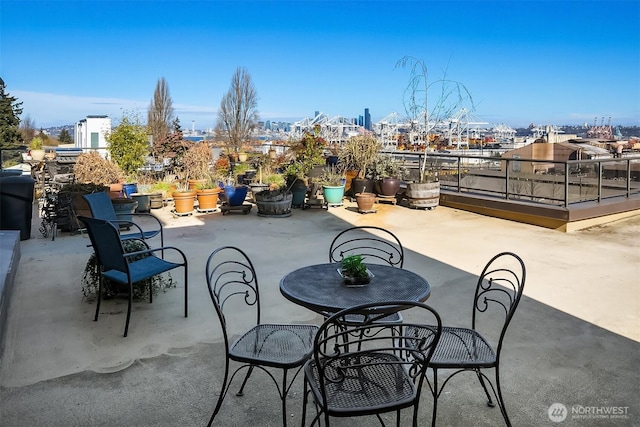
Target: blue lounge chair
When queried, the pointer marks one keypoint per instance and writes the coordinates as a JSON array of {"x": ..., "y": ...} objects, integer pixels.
[
  {"x": 102, "y": 208},
  {"x": 120, "y": 267}
]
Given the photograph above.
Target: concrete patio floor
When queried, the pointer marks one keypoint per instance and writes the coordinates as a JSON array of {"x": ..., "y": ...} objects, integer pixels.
[{"x": 574, "y": 339}]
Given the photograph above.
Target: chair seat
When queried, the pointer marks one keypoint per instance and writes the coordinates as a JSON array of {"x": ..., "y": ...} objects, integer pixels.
[
  {"x": 144, "y": 235},
  {"x": 279, "y": 346},
  {"x": 374, "y": 383},
  {"x": 460, "y": 348},
  {"x": 356, "y": 319},
  {"x": 141, "y": 269}
]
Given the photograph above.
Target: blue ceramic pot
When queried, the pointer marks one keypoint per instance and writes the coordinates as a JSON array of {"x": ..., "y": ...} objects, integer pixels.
[{"x": 235, "y": 195}]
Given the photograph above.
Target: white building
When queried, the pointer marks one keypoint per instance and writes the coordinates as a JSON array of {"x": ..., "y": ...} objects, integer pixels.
[{"x": 89, "y": 133}]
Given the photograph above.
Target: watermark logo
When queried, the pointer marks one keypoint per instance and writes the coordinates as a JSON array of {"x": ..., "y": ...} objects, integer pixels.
[{"x": 557, "y": 412}]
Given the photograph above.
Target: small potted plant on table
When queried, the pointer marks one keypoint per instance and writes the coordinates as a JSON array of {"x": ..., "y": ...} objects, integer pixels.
[{"x": 354, "y": 271}]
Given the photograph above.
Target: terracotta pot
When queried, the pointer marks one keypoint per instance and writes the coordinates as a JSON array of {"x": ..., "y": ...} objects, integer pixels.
[
  {"x": 207, "y": 198},
  {"x": 184, "y": 201},
  {"x": 365, "y": 201},
  {"x": 193, "y": 183},
  {"x": 115, "y": 190},
  {"x": 350, "y": 175}
]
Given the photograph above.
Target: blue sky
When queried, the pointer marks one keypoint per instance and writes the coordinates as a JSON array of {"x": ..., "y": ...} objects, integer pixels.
[{"x": 555, "y": 62}]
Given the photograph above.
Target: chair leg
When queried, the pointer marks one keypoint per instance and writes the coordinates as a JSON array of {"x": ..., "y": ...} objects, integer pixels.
[
  {"x": 246, "y": 378},
  {"x": 305, "y": 398},
  {"x": 490, "y": 401},
  {"x": 95, "y": 318},
  {"x": 223, "y": 392},
  {"x": 503, "y": 408},
  {"x": 284, "y": 397},
  {"x": 434, "y": 391},
  {"x": 186, "y": 283},
  {"x": 126, "y": 325}
]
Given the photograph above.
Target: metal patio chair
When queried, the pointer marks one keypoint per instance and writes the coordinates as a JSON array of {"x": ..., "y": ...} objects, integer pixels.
[
  {"x": 233, "y": 286},
  {"x": 350, "y": 377},
  {"x": 118, "y": 266},
  {"x": 361, "y": 241},
  {"x": 499, "y": 289},
  {"x": 102, "y": 208}
]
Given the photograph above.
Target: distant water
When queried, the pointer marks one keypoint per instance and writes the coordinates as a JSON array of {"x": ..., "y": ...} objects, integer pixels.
[{"x": 193, "y": 138}]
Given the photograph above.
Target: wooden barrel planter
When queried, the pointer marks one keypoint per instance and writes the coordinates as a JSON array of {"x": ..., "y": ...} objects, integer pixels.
[
  {"x": 274, "y": 203},
  {"x": 423, "y": 195},
  {"x": 155, "y": 201}
]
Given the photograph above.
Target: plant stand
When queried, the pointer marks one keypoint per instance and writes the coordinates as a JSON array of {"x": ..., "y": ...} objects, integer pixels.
[
  {"x": 245, "y": 208},
  {"x": 387, "y": 199},
  {"x": 181, "y": 214}
]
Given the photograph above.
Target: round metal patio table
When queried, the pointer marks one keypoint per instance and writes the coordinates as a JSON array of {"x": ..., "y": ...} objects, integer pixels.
[{"x": 320, "y": 287}]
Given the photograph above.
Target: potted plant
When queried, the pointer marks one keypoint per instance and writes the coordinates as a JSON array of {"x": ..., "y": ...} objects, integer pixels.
[
  {"x": 332, "y": 185},
  {"x": 296, "y": 182},
  {"x": 354, "y": 271},
  {"x": 207, "y": 195},
  {"x": 387, "y": 174},
  {"x": 197, "y": 161},
  {"x": 365, "y": 202},
  {"x": 35, "y": 149},
  {"x": 239, "y": 171},
  {"x": 358, "y": 154},
  {"x": 425, "y": 193},
  {"x": 275, "y": 202},
  {"x": 91, "y": 167},
  {"x": 308, "y": 153}
]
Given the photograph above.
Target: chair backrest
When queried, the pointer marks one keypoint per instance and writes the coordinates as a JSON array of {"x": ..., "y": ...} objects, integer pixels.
[
  {"x": 233, "y": 286},
  {"x": 375, "y": 244},
  {"x": 101, "y": 206},
  {"x": 498, "y": 293},
  {"x": 106, "y": 243},
  {"x": 340, "y": 345}
]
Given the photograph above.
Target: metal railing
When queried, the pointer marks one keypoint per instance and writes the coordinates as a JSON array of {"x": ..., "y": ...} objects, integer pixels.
[{"x": 548, "y": 182}]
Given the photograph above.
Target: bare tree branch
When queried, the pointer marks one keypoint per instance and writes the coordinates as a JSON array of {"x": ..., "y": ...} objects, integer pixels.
[{"x": 238, "y": 113}]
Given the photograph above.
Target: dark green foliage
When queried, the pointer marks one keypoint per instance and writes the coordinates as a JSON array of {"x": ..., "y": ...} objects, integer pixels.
[
  {"x": 10, "y": 111},
  {"x": 64, "y": 137},
  {"x": 354, "y": 266},
  {"x": 174, "y": 146}
]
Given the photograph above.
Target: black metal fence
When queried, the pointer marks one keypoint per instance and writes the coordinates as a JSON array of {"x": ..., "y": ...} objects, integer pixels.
[{"x": 558, "y": 183}]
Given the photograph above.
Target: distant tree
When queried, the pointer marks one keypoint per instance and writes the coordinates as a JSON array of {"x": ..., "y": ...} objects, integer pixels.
[
  {"x": 64, "y": 137},
  {"x": 128, "y": 144},
  {"x": 27, "y": 129},
  {"x": 10, "y": 111},
  {"x": 173, "y": 147},
  {"x": 160, "y": 113},
  {"x": 238, "y": 113}
]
